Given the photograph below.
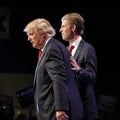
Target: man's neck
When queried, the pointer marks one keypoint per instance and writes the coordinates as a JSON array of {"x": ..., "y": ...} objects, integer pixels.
[{"x": 74, "y": 39}]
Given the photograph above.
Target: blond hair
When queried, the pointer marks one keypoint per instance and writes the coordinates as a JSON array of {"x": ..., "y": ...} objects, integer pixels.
[
  {"x": 77, "y": 19},
  {"x": 41, "y": 25}
]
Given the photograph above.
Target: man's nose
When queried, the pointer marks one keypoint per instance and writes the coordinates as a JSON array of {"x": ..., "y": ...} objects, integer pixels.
[{"x": 29, "y": 39}]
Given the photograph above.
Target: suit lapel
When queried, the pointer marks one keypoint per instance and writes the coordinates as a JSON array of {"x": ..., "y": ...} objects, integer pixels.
[
  {"x": 39, "y": 61},
  {"x": 79, "y": 49}
]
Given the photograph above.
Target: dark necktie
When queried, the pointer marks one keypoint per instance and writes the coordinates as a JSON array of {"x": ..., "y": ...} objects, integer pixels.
[
  {"x": 39, "y": 54},
  {"x": 70, "y": 48}
]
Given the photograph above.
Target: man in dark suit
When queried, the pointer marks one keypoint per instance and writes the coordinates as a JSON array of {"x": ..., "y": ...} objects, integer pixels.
[
  {"x": 84, "y": 61},
  {"x": 55, "y": 90}
]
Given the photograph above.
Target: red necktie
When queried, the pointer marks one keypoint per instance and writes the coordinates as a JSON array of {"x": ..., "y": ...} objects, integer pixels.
[
  {"x": 39, "y": 54},
  {"x": 70, "y": 48}
]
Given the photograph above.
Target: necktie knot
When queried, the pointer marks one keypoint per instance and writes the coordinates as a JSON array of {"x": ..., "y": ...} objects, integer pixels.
[{"x": 70, "y": 48}]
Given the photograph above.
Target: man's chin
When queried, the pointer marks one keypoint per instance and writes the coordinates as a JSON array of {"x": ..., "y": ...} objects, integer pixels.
[{"x": 34, "y": 46}]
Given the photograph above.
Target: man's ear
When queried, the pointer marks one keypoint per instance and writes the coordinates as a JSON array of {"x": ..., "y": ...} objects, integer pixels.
[{"x": 74, "y": 28}]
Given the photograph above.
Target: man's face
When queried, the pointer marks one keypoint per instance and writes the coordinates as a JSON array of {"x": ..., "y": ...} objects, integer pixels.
[
  {"x": 35, "y": 38},
  {"x": 66, "y": 30}
]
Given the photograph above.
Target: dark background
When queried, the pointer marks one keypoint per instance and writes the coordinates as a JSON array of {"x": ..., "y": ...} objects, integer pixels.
[{"x": 101, "y": 30}]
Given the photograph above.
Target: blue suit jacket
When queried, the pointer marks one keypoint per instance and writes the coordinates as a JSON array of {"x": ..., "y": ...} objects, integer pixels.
[
  {"x": 86, "y": 58},
  {"x": 55, "y": 87}
]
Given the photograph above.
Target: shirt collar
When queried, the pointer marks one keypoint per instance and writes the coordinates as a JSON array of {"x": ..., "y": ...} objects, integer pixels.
[
  {"x": 76, "y": 42},
  {"x": 46, "y": 41}
]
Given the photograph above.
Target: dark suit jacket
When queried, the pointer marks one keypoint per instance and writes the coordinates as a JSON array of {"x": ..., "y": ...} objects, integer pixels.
[
  {"x": 55, "y": 87},
  {"x": 86, "y": 58}
]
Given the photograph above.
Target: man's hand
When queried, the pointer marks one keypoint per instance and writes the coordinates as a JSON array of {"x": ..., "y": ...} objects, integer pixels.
[
  {"x": 75, "y": 67},
  {"x": 61, "y": 115}
]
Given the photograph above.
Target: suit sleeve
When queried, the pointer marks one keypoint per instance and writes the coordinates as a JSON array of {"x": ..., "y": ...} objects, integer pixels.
[
  {"x": 88, "y": 64},
  {"x": 56, "y": 69}
]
